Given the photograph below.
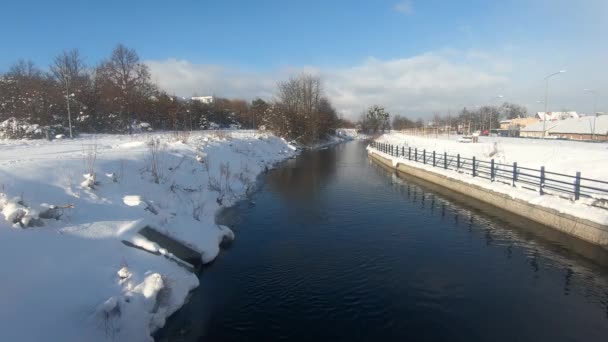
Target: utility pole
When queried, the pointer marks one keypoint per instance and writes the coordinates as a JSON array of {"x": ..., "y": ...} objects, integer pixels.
[{"x": 594, "y": 94}]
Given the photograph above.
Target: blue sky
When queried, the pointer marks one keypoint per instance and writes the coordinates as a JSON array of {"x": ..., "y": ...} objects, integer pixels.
[{"x": 223, "y": 47}]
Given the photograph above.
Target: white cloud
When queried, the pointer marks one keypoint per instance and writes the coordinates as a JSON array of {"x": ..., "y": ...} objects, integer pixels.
[
  {"x": 416, "y": 85},
  {"x": 185, "y": 78},
  {"x": 406, "y": 7}
]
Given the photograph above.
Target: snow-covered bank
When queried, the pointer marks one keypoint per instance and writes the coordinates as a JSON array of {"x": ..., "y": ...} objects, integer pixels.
[
  {"x": 557, "y": 156},
  {"x": 568, "y": 157},
  {"x": 351, "y": 134},
  {"x": 342, "y": 135},
  {"x": 67, "y": 275}
]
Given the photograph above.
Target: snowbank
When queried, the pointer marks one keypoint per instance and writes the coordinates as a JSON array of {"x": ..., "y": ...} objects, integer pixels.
[
  {"x": 559, "y": 156},
  {"x": 68, "y": 205},
  {"x": 563, "y": 156}
]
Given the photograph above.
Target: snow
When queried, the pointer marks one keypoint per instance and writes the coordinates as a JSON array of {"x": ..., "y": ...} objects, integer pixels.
[
  {"x": 566, "y": 157},
  {"x": 351, "y": 134},
  {"x": 550, "y": 116},
  {"x": 583, "y": 125},
  {"x": 66, "y": 271},
  {"x": 563, "y": 156}
]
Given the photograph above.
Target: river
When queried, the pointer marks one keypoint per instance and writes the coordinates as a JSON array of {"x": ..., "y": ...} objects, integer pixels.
[{"x": 334, "y": 247}]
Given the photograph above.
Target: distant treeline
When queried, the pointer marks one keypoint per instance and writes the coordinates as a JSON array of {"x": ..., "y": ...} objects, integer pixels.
[
  {"x": 118, "y": 92},
  {"x": 377, "y": 119}
]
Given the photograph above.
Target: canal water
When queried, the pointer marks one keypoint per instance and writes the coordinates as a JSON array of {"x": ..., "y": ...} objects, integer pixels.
[{"x": 334, "y": 247}]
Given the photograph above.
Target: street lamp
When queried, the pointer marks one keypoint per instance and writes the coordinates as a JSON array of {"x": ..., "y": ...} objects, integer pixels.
[
  {"x": 547, "y": 98},
  {"x": 594, "y": 93},
  {"x": 498, "y": 97}
]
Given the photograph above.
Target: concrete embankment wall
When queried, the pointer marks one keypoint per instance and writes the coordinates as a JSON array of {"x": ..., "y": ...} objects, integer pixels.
[{"x": 586, "y": 230}]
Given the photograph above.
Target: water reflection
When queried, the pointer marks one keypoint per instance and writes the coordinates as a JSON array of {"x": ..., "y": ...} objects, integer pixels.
[
  {"x": 303, "y": 178},
  {"x": 548, "y": 249}
]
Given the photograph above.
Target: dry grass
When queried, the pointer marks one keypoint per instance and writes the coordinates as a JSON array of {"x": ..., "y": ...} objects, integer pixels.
[
  {"x": 155, "y": 150},
  {"x": 89, "y": 157}
]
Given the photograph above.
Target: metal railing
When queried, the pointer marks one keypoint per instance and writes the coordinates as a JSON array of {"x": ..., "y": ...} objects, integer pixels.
[{"x": 539, "y": 180}]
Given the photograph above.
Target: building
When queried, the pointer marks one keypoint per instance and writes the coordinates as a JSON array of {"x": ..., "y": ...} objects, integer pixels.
[
  {"x": 511, "y": 128},
  {"x": 582, "y": 128},
  {"x": 204, "y": 99},
  {"x": 554, "y": 116}
]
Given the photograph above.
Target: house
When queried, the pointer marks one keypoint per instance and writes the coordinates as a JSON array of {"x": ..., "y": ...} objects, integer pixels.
[
  {"x": 512, "y": 127},
  {"x": 204, "y": 99},
  {"x": 581, "y": 128},
  {"x": 553, "y": 116}
]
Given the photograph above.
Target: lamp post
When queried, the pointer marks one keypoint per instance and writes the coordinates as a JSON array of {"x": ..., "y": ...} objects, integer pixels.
[
  {"x": 594, "y": 93},
  {"x": 497, "y": 98},
  {"x": 547, "y": 98}
]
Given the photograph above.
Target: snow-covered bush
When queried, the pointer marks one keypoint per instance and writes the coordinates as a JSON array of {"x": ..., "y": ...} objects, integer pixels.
[
  {"x": 19, "y": 215},
  {"x": 89, "y": 156},
  {"x": 141, "y": 127},
  {"x": 13, "y": 128}
]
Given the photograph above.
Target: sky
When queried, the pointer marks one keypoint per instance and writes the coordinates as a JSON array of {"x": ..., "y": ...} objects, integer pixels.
[{"x": 414, "y": 57}]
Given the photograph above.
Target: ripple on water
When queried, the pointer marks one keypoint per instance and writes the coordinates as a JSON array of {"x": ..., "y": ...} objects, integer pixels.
[{"x": 337, "y": 248}]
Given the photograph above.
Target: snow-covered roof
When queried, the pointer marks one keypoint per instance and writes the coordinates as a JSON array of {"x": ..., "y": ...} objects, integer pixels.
[
  {"x": 582, "y": 125},
  {"x": 538, "y": 127},
  {"x": 203, "y": 99},
  {"x": 550, "y": 116}
]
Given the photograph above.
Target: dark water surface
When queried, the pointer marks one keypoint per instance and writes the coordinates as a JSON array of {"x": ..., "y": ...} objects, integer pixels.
[{"x": 337, "y": 248}]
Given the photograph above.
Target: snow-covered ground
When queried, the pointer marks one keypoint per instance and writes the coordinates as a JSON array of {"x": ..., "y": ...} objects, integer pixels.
[
  {"x": 66, "y": 206},
  {"x": 566, "y": 157},
  {"x": 351, "y": 134}
]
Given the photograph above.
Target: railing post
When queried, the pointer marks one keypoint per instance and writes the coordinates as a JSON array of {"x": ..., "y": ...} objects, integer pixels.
[
  {"x": 409, "y": 153},
  {"x": 474, "y": 167},
  {"x": 514, "y": 173},
  {"x": 445, "y": 160},
  {"x": 577, "y": 186},
  {"x": 542, "y": 180},
  {"x": 416, "y": 154},
  {"x": 424, "y": 156},
  {"x": 458, "y": 162},
  {"x": 434, "y": 159},
  {"x": 492, "y": 170},
  {"x": 403, "y": 151}
]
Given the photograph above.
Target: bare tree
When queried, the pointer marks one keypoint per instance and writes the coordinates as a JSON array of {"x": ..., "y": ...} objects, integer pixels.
[
  {"x": 126, "y": 77},
  {"x": 513, "y": 111},
  {"x": 68, "y": 68},
  {"x": 27, "y": 93},
  {"x": 300, "y": 99}
]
